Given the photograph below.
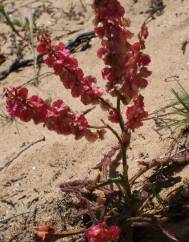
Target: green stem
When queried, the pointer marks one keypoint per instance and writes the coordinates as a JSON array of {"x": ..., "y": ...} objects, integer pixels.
[
  {"x": 124, "y": 151},
  {"x": 113, "y": 131},
  {"x": 121, "y": 122},
  {"x": 106, "y": 103},
  {"x": 97, "y": 127},
  {"x": 109, "y": 182},
  {"x": 125, "y": 172},
  {"x": 8, "y": 20}
]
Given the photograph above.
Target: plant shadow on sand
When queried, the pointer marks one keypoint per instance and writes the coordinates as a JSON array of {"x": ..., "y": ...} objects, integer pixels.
[
  {"x": 174, "y": 212},
  {"x": 176, "y": 223}
]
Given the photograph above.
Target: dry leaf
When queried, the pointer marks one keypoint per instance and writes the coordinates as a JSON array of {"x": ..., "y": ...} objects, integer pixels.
[{"x": 42, "y": 232}]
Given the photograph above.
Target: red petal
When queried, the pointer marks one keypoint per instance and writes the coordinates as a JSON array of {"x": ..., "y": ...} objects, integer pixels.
[
  {"x": 144, "y": 31},
  {"x": 45, "y": 228},
  {"x": 41, "y": 235},
  {"x": 58, "y": 233}
]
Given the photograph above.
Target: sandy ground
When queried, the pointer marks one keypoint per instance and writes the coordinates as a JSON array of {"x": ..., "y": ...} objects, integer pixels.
[{"x": 30, "y": 182}]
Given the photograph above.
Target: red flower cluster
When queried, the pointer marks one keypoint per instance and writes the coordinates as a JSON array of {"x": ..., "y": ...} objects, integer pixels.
[
  {"x": 135, "y": 114},
  {"x": 102, "y": 233},
  {"x": 125, "y": 69},
  {"x": 66, "y": 67},
  {"x": 55, "y": 116},
  {"x": 114, "y": 116}
]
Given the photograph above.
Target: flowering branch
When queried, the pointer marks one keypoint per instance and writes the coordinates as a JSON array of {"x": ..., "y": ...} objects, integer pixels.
[
  {"x": 66, "y": 67},
  {"x": 55, "y": 116}
]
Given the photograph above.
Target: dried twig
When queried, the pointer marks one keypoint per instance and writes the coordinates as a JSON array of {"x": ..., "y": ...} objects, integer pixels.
[
  {"x": 9, "y": 21},
  {"x": 184, "y": 45},
  {"x": 71, "y": 45},
  {"x": 20, "y": 152},
  {"x": 156, "y": 7},
  {"x": 147, "y": 165},
  {"x": 14, "y": 66}
]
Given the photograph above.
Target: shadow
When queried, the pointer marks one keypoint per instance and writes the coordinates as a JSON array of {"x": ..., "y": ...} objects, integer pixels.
[
  {"x": 176, "y": 223},
  {"x": 149, "y": 235},
  {"x": 164, "y": 178},
  {"x": 179, "y": 204}
]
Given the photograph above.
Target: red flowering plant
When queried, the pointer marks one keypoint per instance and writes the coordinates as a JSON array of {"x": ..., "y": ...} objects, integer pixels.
[{"x": 109, "y": 198}]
